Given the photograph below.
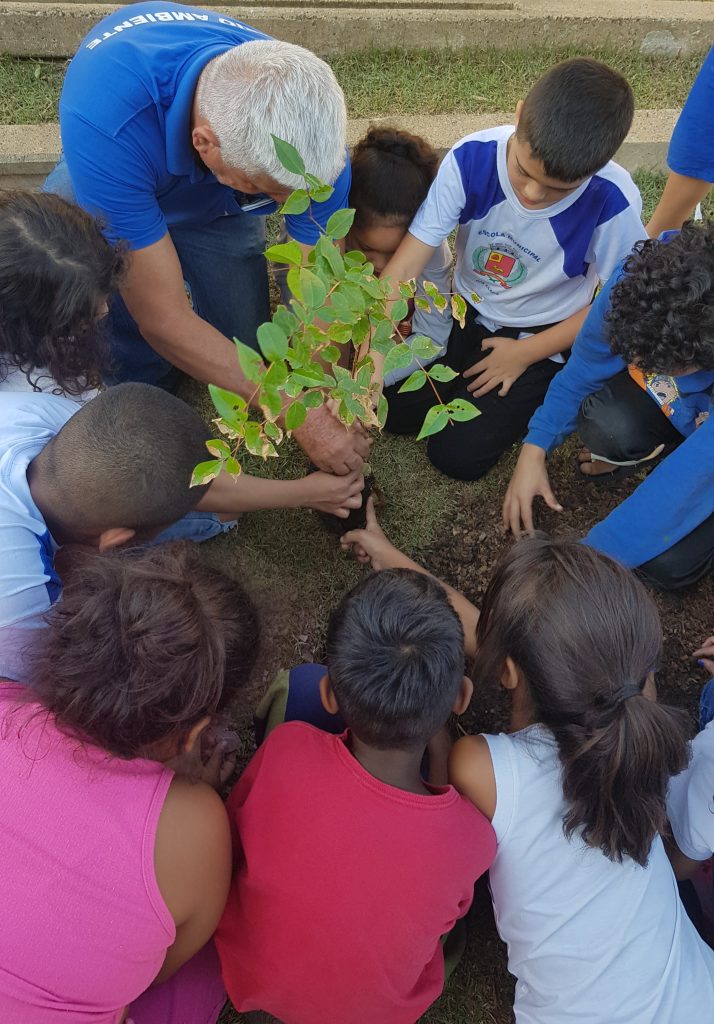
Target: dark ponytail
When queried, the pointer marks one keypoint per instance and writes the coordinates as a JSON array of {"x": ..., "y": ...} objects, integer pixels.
[
  {"x": 392, "y": 171},
  {"x": 586, "y": 635}
]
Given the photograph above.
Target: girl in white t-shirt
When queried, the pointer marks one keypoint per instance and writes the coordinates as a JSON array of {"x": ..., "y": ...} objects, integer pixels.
[
  {"x": 57, "y": 272},
  {"x": 583, "y": 892}
]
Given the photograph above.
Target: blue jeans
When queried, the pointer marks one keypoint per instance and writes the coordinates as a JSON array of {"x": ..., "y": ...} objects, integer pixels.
[{"x": 226, "y": 281}]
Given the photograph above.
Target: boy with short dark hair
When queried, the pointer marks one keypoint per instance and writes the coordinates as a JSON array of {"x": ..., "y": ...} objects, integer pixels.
[
  {"x": 114, "y": 471},
  {"x": 351, "y": 867},
  {"x": 543, "y": 214}
]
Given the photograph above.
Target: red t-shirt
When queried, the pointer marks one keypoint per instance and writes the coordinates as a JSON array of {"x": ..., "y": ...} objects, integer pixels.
[{"x": 344, "y": 885}]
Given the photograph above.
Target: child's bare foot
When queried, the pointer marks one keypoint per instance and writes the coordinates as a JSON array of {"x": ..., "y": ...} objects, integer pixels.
[{"x": 590, "y": 467}]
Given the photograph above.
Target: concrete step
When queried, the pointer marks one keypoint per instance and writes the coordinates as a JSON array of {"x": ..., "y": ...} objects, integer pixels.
[
  {"x": 28, "y": 151},
  {"x": 50, "y": 29}
]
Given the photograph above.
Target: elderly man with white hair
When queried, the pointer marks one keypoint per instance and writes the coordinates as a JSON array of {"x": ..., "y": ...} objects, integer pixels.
[{"x": 166, "y": 118}]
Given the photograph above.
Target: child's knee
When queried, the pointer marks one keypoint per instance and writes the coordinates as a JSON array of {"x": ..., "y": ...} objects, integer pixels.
[
  {"x": 611, "y": 428},
  {"x": 459, "y": 457}
]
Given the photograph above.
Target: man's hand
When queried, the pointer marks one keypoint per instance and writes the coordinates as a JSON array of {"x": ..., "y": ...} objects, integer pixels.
[
  {"x": 330, "y": 445},
  {"x": 530, "y": 478},
  {"x": 336, "y": 495},
  {"x": 705, "y": 655},
  {"x": 500, "y": 369},
  {"x": 371, "y": 546}
]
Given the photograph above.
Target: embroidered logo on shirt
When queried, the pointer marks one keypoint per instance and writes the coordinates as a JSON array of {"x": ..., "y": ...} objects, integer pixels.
[{"x": 502, "y": 265}]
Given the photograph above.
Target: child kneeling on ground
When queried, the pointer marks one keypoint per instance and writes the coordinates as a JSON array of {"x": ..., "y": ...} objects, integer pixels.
[
  {"x": 351, "y": 867},
  {"x": 543, "y": 214}
]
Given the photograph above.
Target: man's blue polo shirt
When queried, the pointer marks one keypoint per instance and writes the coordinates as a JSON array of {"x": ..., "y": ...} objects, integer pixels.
[{"x": 125, "y": 120}]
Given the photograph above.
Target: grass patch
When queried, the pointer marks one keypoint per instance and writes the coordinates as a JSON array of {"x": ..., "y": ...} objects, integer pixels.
[{"x": 390, "y": 81}]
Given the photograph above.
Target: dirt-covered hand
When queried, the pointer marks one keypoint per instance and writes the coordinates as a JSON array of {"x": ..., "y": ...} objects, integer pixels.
[
  {"x": 529, "y": 479},
  {"x": 336, "y": 495},
  {"x": 499, "y": 369},
  {"x": 705, "y": 655},
  {"x": 371, "y": 546},
  {"x": 330, "y": 445}
]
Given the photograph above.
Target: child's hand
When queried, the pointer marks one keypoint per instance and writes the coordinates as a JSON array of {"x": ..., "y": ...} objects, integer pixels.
[
  {"x": 705, "y": 655},
  {"x": 336, "y": 495},
  {"x": 504, "y": 365},
  {"x": 371, "y": 547},
  {"x": 530, "y": 478},
  {"x": 211, "y": 760}
]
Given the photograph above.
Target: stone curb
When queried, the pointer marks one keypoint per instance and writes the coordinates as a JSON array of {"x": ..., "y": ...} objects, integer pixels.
[
  {"x": 28, "y": 152},
  {"x": 663, "y": 27}
]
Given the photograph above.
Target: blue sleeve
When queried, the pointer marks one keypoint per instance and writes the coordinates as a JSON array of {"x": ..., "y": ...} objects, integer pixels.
[
  {"x": 590, "y": 366},
  {"x": 114, "y": 181},
  {"x": 302, "y": 228},
  {"x": 691, "y": 150},
  {"x": 675, "y": 499}
]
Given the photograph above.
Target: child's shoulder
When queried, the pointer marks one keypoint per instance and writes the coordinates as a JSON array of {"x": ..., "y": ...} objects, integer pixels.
[
  {"x": 483, "y": 139},
  {"x": 618, "y": 184}
]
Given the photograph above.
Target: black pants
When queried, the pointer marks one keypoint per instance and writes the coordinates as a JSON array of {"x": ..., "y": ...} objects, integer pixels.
[
  {"x": 466, "y": 451},
  {"x": 621, "y": 423}
]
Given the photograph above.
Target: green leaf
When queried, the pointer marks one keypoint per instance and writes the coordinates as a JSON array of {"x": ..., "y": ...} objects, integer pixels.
[
  {"x": 297, "y": 202},
  {"x": 250, "y": 362},
  {"x": 434, "y": 421},
  {"x": 406, "y": 289},
  {"x": 413, "y": 383},
  {"x": 340, "y": 333},
  {"x": 382, "y": 410},
  {"x": 400, "y": 310},
  {"x": 312, "y": 376},
  {"x": 330, "y": 353},
  {"x": 288, "y": 156},
  {"x": 423, "y": 348},
  {"x": 360, "y": 331},
  {"x": 332, "y": 255},
  {"x": 233, "y": 468},
  {"x": 204, "y": 472},
  {"x": 295, "y": 416},
  {"x": 313, "y": 399},
  {"x": 321, "y": 193},
  {"x": 270, "y": 401},
  {"x": 458, "y": 309},
  {"x": 273, "y": 431},
  {"x": 253, "y": 440},
  {"x": 355, "y": 258},
  {"x": 218, "y": 448},
  {"x": 437, "y": 371},
  {"x": 397, "y": 359},
  {"x": 339, "y": 223},
  {"x": 382, "y": 332},
  {"x": 462, "y": 411},
  {"x": 440, "y": 303},
  {"x": 277, "y": 374},
  {"x": 286, "y": 252},
  {"x": 285, "y": 320},
  {"x": 226, "y": 403},
  {"x": 293, "y": 281},
  {"x": 313, "y": 290},
  {"x": 476, "y": 298},
  {"x": 431, "y": 290},
  {"x": 422, "y": 304},
  {"x": 273, "y": 341}
]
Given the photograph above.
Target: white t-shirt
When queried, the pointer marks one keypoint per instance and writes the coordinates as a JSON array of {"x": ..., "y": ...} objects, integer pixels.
[
  {"x": 29, "y": 584},
  {"x": 15, "y": 379},
  {"x": 589, "y": 941},
  {"x": 690, "y": 802},
  {"x": 527, "y": 267}
]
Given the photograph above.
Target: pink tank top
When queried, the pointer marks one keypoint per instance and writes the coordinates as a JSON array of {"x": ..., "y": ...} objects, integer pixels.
[{"x": 83, "y": 927}]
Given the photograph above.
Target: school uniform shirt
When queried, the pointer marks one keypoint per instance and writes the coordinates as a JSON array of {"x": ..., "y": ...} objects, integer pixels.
[
  {"x": 678, "y": 495},
  {"x": 344, "y": 885},
  {"x": 691, "y": 149},
  {"x": 690, "y": 801},
  {"x": 590, "y": 940},
  {"x": 520, "y": 267},
  {"x": 29, "y": 584},
  {"x": 125, "y": 121}
]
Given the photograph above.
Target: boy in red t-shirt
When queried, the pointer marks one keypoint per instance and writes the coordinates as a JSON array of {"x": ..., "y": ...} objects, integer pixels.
[{"x": 350, "y": 867}]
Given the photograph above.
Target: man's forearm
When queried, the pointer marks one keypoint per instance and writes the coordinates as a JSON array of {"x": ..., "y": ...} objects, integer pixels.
[{"x": 197, "y": 348}]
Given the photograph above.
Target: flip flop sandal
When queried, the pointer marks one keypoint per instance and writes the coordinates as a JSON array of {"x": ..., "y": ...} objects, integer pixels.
[{"x": 620, "y": 471}]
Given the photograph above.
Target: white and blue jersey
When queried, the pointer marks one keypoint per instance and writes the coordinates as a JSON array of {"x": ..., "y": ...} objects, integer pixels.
[
  {"x": 29, "y": 584},
  {"x": 522, "y": 267},
  {"x": 125, "y": 121}
]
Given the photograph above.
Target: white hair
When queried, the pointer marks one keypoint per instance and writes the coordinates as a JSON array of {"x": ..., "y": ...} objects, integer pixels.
[{"x": 269, "y": 87}]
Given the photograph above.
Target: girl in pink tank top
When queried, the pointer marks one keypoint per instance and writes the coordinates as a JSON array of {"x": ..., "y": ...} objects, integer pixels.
[{"x": 115, "y": 869}]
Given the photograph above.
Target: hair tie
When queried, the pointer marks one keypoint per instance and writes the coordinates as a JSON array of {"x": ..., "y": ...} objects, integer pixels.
[{"x": 625, "y": 692}]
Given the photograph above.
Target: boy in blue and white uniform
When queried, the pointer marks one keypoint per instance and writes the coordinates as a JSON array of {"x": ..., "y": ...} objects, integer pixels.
[
  {"x": 543, "y": 214},
  {"x": 638, "y": 386}
]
